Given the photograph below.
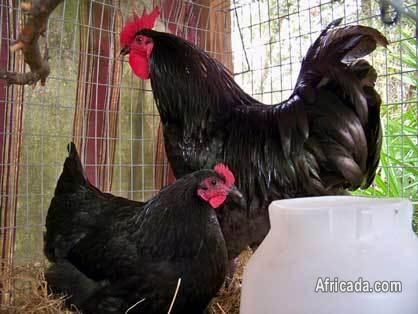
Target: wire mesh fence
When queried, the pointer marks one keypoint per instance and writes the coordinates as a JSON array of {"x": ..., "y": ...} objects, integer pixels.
[
  {"x": 275, "y": 36},
  {"x": 92, "y": 97}
]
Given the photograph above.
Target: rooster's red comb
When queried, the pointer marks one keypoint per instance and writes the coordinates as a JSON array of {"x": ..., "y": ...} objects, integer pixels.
[
  {"x": 224, "y": 171},
  {"x": 136, "y": 23}
]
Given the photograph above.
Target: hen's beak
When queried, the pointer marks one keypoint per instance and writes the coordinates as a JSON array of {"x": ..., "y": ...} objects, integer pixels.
[
  {"x": 124, "y": 51},
  {"x": 237, "y": 197}
]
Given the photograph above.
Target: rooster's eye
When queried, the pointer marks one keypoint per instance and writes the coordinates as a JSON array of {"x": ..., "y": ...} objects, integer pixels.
[
  {"x": 214, "y": 182},
  {"x": 138, "y": 38}
]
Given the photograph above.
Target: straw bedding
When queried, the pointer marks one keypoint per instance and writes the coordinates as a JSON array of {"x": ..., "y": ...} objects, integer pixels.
[{"x": 29, "y": 293}]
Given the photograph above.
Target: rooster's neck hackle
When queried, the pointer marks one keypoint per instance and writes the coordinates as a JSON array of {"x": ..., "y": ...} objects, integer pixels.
[{"x": 189, "y": 86}]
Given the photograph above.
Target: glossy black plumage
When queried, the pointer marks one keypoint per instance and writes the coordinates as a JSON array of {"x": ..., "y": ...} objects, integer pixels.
[
  {"x": 323, "y": 140},
  {"x": 109, "y": 253}
]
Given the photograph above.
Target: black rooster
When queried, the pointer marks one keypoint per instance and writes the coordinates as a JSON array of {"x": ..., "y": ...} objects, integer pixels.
[
  {"x": 111, "y": 254},
  {"x": 323, "y": 140}
]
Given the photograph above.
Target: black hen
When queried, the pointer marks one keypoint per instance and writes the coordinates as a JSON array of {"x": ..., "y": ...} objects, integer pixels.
[
  {"x": 110, "y": 254},
  {"x": 323, "y": 140}
]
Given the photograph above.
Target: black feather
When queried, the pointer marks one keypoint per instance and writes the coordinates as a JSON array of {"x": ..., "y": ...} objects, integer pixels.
[
  {"x": 324, "y": 139},
  {"x": 108, "y": 253}
]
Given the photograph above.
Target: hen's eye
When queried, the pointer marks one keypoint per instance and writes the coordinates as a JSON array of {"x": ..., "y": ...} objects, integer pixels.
[{"x": 214, "y": 182}]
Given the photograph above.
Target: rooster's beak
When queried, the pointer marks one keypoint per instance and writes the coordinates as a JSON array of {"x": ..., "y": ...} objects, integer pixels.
[
  {"x": 124, "y": 51},
  {"x": 237, "y": 197}
]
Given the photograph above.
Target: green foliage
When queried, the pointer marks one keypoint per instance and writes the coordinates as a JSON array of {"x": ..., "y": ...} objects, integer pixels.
[
  {"x": 408, "y": 60},
  {"x": 398, "y": 172}
]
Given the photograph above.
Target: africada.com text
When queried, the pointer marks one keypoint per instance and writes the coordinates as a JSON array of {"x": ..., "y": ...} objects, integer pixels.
[{"x": 328, "y": 285}]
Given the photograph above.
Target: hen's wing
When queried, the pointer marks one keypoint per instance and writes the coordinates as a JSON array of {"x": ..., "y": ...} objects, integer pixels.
[
  {"x": 134, "y": 272},
  {"x": 149, "y": 290},
  {"x": 108, "y": 251}
]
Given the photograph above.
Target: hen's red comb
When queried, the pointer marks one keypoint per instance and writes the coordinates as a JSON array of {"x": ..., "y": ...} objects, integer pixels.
[
  {"x": 136, "y": 23},
  {"x": 224, "y": 171}
]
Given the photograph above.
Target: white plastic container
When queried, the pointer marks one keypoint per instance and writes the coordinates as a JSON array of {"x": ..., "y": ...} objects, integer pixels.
[{"x": 342, "y": 238}]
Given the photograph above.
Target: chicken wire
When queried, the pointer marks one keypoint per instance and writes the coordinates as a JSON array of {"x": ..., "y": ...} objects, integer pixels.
[
  {"x": 275, "y": 35},
  {"x": 267, "y": 40}
]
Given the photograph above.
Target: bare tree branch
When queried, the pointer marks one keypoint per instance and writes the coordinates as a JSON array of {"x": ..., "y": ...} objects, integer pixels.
[{"x": 38, "y": 12}]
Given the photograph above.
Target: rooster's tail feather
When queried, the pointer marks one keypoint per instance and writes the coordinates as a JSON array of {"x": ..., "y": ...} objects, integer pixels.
[
  {"x": 330, "y": 58},
  {"x": 72, "y": 175},
  {"x": 333, "y": 65},
  {"x": 366, "y": 74}
]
